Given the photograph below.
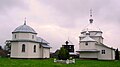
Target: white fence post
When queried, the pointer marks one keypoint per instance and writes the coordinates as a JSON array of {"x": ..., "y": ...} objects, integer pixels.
[
  {"x": 73, "y": 60},
  {"x": 55, "y": 60},
  {"x": 67, "y": 61}
]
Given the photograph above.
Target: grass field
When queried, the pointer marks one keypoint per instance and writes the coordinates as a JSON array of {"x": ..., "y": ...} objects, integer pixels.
[{"x": 6, "y": 62}]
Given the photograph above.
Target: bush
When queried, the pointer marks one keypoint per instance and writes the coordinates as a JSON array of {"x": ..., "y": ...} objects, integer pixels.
[
  {"x": 63, "y": 54},
  {"x": 117, "y": 54}
]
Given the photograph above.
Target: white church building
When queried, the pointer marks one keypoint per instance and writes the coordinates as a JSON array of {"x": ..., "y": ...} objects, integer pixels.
[
  {"x": 91, "y": 44},
  {"x": 26, "y": 44}
]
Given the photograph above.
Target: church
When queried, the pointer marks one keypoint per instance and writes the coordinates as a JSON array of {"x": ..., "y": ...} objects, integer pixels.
[
  {"x": 26, "y": 44},
  {"x": 91, "y": 44}
]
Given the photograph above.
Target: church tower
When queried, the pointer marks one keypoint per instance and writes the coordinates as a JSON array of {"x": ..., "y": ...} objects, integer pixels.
[
  {"x": 91, "y": 43},
  {"x": 94, "y": 31}
]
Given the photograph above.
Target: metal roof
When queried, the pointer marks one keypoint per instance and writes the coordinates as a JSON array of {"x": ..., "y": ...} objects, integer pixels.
[
  {"x": 46, "y": 46},
  {"x": 91, "y": 27},
  {"x": 88, "y": 50},
  {"x": 43, "y": 44},
  {"x": 101, "y": 44},
  {"x": 39, "y": 39},
  {"x": 24, "y": 29},
  {"x": 98, "y": 34},
  {"x": 88, "y": 38},
  {"x": 72, "y": 53}
]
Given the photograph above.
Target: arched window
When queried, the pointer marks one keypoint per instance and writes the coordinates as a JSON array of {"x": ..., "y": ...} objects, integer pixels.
[
  {"x": 23, "y": 48},
  {"x": 34, "y": 48}
]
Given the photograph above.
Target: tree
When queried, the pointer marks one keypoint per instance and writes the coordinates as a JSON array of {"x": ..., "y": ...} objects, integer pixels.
[
  {"x": 117, "y": 54},
  {"x": 63, "y": 54},
  {"x": 7, "y": 47},
  {"x": 1, "y": 47}
]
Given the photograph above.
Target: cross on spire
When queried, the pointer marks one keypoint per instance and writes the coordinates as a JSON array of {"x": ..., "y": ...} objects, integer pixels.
[
  {"x": 25, "y": 21},
  {"x": 90, "y": 12},
  {"x": 91, "y": 20}
]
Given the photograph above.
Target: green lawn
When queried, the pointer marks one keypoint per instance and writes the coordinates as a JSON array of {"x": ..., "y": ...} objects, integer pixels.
[{"x": 6, "y": 62}]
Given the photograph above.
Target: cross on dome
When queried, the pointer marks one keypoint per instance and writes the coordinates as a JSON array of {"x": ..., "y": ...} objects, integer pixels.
[
  {"x": 91, "y": 20},
  {"x": 91, "y": 26},
  {"x": 25, "y": 21},
  {"x": 90, "y": 12},
  {"x": 24, "y": 29}
]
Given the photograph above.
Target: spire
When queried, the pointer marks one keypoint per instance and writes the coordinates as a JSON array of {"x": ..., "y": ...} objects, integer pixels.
[
  {"x": 25, "y": 21},
  {"x": 91, "y": 20}
]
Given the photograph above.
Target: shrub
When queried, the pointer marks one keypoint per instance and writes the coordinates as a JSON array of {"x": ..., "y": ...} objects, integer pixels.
[
  {"x": 117, "y": 54},
  {"x": 63, "y": 54}
]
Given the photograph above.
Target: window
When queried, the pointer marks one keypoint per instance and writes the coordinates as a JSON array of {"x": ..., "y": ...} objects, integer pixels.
[
  {"x": 86, "y": 43},
  {"x": 34, "y": 48},
  {"x": 23, "y": 48},
  {"x": 15, "y": 35},
  {"x": 70, "y": 47},
  {"x": 103, "y": 51},
  {"x": 32, "y": 36}
]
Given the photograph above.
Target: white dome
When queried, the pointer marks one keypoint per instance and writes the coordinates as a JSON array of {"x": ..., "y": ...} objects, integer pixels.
[
  {"x": 91, "y": 27},
  {"x": 24, "y": 29}
]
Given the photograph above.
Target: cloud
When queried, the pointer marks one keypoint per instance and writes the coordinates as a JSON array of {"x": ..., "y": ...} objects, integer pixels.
[
  {"x": 56, "y": 20},
  {"x": 6, "y": 5}
]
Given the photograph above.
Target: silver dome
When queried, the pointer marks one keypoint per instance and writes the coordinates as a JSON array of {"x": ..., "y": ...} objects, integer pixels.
[{"x": 24, "y": 29}]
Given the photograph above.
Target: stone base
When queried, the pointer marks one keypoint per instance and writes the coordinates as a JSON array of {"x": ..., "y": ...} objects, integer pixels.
[{"x": 65, "y": 61}]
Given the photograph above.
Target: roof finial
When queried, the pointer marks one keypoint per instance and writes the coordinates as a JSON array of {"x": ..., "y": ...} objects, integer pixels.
[
  {"x": 66, "y": 42},
  {"x": 25, "y": 21},
  {"x": 90, "y": 12},
  {"x": 91, "y": 20}
]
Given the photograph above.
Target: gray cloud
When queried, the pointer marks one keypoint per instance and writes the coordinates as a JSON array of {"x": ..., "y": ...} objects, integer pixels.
[
  {"x": 105, "y": 13},
  {"x": 55, "y": 20},
  {"x": 106, "y": 9},
  {"x": 6, "y": 5}
]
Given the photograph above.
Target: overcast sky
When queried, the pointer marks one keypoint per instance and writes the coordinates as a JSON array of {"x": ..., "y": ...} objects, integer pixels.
[{"x": 56, "y": 20}]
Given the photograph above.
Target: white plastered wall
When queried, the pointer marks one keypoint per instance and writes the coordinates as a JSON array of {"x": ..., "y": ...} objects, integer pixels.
[
  {"x": 109, "y": 53},
  {"x": 31, "y": 53},
  {"x": 24, "y": 36},
  {"x": 91, "y": 45},
  {"x": 16, "y": 50},
  {"x": 46, "y": 53},
  {"x": 88, "y": 55}
]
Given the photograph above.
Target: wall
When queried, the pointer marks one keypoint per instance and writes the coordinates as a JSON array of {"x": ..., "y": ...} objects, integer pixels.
[
  {"x": 109, "y": 53},
  {"x": 24, "y": 36},
  {"x": 91, "y": 45},
  {"x": 16, "y": 50},
  {"x": 31, "y": 53},
  {"x": 88, "y": 55},
  {"x": 46, "y": 53},
  {"x": 97, "y": 38}
]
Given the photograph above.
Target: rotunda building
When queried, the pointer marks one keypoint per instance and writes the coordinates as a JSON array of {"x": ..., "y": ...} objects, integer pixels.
[{"x": 26, "y": 44}]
